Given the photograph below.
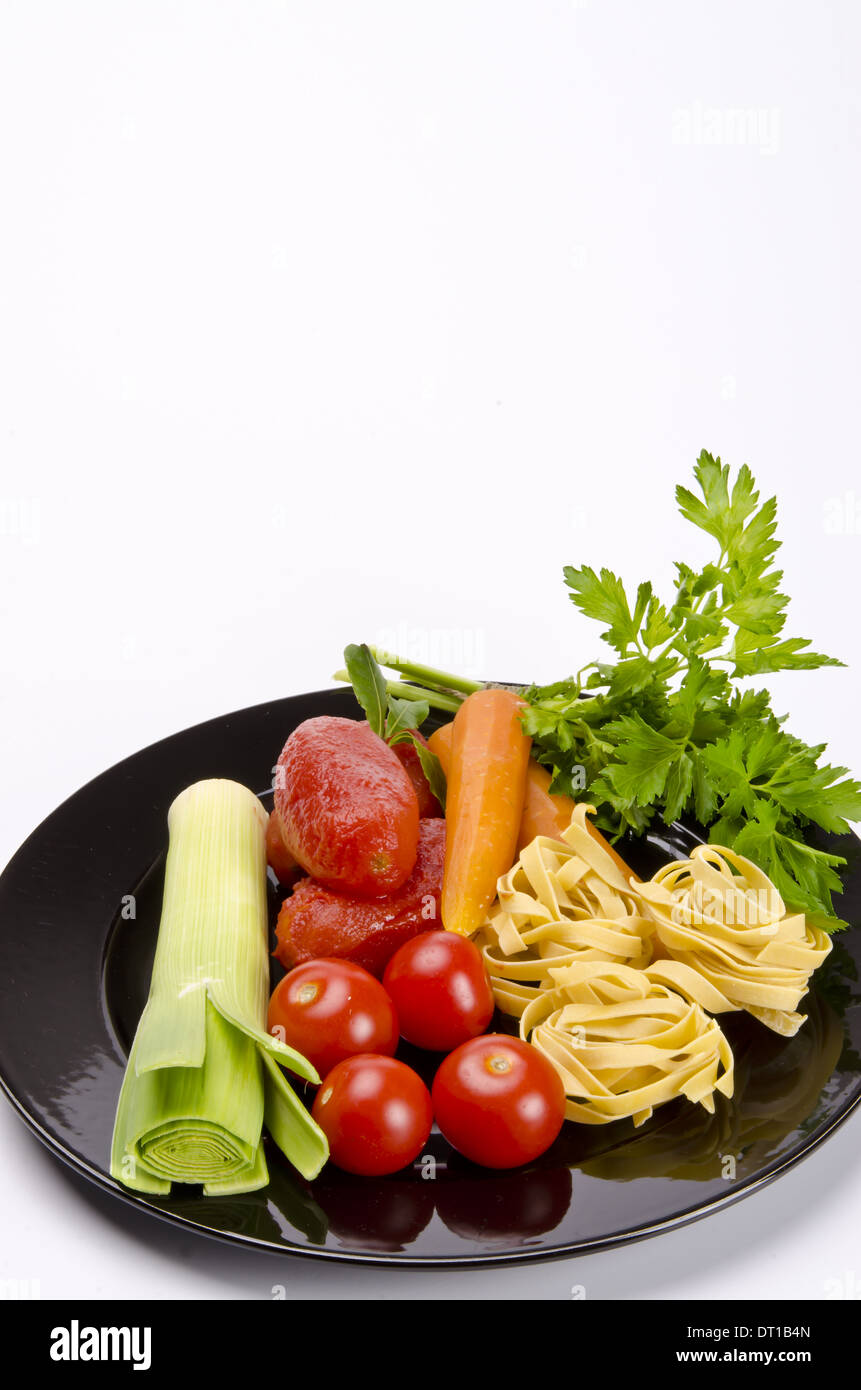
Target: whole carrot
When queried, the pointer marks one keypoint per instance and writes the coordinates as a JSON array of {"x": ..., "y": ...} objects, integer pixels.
[
  {"x": 484, "y": 804},
  {"x": 544, "y": 812}
]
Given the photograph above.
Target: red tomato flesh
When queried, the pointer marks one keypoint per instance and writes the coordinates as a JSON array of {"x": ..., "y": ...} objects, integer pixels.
[
  {"x": 278, "y": 856},
  {"x": 407, "y": 755},
  {"x": 315, "y": 921},
  {"x": 348, "y": 810}
]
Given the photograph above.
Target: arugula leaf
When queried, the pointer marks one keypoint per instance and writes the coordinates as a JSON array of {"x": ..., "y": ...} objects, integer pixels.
[
  {"x": 369, "y": 685},
  {"x": 404, "y": 715},
  {"x": 432, "y": 769},
  {"x": 430, "y": 763},
  {"x": 393, "y": 719}
]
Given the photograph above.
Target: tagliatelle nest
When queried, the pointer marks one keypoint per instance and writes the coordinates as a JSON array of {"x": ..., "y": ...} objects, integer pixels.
[
  {"x": 623, "y": 1043},
  {"x": 614, "y": 979},
  {"x": 562, "y": 902},
  {"x": 731, "y": 943}
]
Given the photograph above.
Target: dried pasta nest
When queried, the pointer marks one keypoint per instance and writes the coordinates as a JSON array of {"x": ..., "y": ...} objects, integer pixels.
[
  {"x": 562, "y": 902},
  {"x": 729, "y": 940},
  {"x": 614, "y": 980},
  {"x": 623, "y": 1042}
]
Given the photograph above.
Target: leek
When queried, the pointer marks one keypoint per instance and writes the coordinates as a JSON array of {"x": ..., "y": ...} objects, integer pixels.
[{"x": 203, "y": 1073}]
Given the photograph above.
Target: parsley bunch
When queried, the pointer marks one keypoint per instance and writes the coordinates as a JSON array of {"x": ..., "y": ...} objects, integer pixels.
[{"x": 663, "y": 730}]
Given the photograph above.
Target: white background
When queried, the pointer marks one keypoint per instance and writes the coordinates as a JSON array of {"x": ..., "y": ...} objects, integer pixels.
[{"x": 331, "y": 322}]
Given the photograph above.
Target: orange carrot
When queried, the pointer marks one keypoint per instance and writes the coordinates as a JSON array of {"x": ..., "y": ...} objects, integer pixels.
[
  {"x": 549, "y": 813},
  {"x": 484, "y": 804},
  {"x": 439, "y": 742},
  {"x": 544, "y": 812}
]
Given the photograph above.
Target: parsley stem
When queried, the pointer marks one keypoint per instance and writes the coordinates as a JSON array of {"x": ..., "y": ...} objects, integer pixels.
[
  {"x": 590, "y": 666},
  {"x": 437, "y": 680},
  {"x": 437, "y": 699}
]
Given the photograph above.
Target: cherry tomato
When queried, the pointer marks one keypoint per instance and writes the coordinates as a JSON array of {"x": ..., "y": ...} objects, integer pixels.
[
  {"x": 440, "y": 989},
  {"x": 331, "y": 1009},
  {"x": 375, "y": 1112},
  {"x": 498, "y": 1101}
]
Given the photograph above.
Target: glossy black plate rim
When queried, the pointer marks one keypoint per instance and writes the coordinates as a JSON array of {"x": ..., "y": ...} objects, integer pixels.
[
  {"x": 565, "y": 1250},
  {"x": 586, "y": 1245}
]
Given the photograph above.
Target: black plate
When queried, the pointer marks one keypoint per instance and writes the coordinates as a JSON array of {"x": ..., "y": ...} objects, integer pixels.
[{"x": 74, "y": 973}]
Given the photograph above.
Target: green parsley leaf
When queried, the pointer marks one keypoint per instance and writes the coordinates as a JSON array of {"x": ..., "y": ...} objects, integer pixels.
[
  {"x": 665, "y": 730},
  {"x": 603, "y": 597}
]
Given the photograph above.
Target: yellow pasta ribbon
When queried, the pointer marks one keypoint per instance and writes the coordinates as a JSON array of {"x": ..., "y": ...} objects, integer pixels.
[
  {"x": 730, "y": 942},
  {"x": 623, "y": 1043},
  {"x": 562, "y": 902},
  {"x": 614, "y": 979}
]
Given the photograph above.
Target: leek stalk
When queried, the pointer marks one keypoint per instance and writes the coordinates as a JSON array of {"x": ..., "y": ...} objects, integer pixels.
[{"x": 203, "y": 1073}]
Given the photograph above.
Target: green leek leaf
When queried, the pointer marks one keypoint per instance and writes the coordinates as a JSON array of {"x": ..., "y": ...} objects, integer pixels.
[{"x": 203, "y": 1073}]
